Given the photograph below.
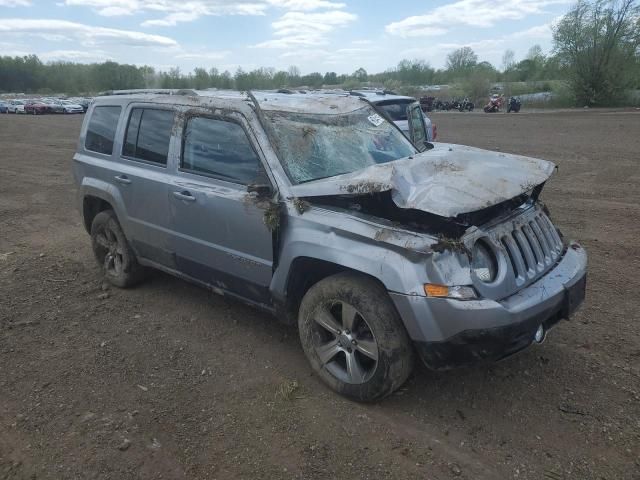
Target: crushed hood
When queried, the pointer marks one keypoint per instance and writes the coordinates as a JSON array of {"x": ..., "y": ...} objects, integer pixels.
[{"x": 447, "y": 180}]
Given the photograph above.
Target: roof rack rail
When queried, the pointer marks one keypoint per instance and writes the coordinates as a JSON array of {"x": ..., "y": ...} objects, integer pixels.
[{"x": 152, "y": 91}]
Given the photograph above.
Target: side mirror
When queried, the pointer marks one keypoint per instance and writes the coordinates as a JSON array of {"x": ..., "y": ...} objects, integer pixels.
[{"x": 261, "y": 190}]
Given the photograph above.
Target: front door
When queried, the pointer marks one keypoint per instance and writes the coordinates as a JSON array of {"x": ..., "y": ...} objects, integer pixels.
[{"x": 219, "y": 230}]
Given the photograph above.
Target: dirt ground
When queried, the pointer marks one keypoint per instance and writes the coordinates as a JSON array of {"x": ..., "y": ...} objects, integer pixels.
[{"x": 169, "y": 381}]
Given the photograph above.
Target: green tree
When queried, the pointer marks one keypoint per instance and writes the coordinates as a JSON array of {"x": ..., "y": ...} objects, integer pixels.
[
  {"x": 360, "y": 75},
  {"x": 461, "y": 60},
  {"x": 330, "y": 78},
  {"x": 597, "y": 43}
]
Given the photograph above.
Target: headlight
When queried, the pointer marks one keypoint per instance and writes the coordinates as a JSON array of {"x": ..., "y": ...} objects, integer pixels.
[{"x": 484, "y": 263}]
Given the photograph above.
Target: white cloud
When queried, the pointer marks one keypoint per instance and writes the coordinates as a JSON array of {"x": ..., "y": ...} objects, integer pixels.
[
  {"x": 299, "y": 29},
  {"x": 537, "y": 32},
  {"x": 475, "y": 13},
  {"x": 15, "y": 3},
  {"x": 305, "y": 5},
  {"x": 204, "y": 55},
  {"x": 115, "y": 11},
  {"x": 87, "y": 35},
  {"x": 174, "y": 12}
]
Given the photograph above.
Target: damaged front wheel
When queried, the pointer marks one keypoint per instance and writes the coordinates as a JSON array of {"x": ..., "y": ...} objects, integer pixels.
[{"x": 353, "y": 337}]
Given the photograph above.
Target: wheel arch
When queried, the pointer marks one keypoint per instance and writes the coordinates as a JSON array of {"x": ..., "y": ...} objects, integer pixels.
[
  {"x": 92, "y": 206},
  {"x": 97, "y": 196},
  {"x": 303, "y": 273}
]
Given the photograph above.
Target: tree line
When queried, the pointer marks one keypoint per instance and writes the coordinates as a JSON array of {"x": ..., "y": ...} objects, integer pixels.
[
  {"x": 29, "y": 74},
  {"x": 596, "y": 51}
]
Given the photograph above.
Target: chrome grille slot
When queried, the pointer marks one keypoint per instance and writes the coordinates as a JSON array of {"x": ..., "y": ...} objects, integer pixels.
[
  {"x": 542, "y": 239},
  {"x": 535, "y": 247},
  {"x": 515, "y": 254},
  {"x": 543, "y": 223},
  {"x": 525, "y": 248},
  {"x": 553, "y": 232},
  {"x": 530, "y": 246}
]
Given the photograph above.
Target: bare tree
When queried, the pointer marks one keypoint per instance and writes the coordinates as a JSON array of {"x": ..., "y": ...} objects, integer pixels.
[
  {"x": 508, "y": 60},
  {"x": 597, "y": 42}
]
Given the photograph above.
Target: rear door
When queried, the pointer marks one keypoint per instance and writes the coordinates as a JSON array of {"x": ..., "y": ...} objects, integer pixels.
[
  {"x": 220, "y": 234},
  {"x": 144, "y": 148}
]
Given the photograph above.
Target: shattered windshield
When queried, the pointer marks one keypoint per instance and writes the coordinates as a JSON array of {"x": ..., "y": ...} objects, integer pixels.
[{"x": 314, "y": 146}]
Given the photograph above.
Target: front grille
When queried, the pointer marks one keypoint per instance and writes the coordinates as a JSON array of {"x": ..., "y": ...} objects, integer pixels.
[
  {"x": 532, "y": 246},
  {"x": 527, "y": 246}
]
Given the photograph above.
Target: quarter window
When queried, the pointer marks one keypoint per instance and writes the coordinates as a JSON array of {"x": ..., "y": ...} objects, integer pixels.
[
  {"x": 102, "y": 129},
  {"x": 148, "y": 135},
  {"x": 220, "y": 149}
]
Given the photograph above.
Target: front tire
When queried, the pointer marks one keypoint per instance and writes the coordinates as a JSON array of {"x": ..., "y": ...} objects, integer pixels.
[
  {"x": 354, "y": 338},
  {"x": 112, "y": 251}
]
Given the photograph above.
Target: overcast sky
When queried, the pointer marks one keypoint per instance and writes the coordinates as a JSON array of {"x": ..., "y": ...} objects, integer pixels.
[{"x": 315, "y": 35}]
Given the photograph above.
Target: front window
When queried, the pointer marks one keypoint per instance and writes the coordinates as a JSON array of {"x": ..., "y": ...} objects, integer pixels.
[
  {"x": 220, "y": 149},
  {"x": 314, "y": 146}
]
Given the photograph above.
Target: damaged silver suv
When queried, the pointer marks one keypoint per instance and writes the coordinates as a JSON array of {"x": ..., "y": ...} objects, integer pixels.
[{"x": 318, "y": 209}]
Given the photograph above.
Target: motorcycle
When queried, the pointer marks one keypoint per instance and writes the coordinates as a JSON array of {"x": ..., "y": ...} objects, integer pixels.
[
  {"x": 467, "y": 105},
  {"x": 494, "y": 105},
  {"x": 427, "y": 103},
  {"x": 514, "y": 105}
]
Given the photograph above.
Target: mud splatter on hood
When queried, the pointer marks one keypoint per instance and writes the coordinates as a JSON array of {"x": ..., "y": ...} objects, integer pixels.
[{"x": 448, "y": 180}]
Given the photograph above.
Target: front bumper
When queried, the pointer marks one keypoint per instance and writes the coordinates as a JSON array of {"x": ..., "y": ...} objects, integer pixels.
[{"x": 450, "y": 333}]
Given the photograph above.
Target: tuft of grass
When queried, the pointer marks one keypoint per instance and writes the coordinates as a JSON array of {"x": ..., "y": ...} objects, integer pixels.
[
  {"x": 286, "y": 391},
  {"x": 301, "y": 205},
  {"x": 271, "y": 217}
]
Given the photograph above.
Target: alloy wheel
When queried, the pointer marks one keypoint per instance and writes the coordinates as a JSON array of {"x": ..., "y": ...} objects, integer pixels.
[
  {"x": 345, "y": 343},
  {"x": 113, "y": 252}
]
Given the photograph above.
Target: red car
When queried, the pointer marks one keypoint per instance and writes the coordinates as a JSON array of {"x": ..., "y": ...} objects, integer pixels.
[{"x": 36, "y": 107}]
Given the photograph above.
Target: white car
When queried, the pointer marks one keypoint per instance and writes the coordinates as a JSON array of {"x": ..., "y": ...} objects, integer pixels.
[
  {"x": 395, "y": 107},
  {"x": 70, "y": 107},
  {"x": 15, "y": 106}
]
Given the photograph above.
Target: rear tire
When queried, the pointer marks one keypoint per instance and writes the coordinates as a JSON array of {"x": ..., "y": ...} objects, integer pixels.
[
  {"x": 354, "y": 338},
  {"x": 113, "y": 253}
]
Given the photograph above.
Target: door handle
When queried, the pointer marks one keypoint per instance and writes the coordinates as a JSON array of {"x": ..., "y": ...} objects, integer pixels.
[
  {"x": 123, "y": 179},
  {"x": 184, "y": 195}
]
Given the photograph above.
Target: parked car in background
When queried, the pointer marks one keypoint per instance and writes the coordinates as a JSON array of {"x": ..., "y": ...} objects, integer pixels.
[
  {"x": 4, "y": 107},
  {"x": 36, "y": 107},
  {"x": 395, "y": 107},
  {"x": 315, "y": 208},
  {"x": 55, "y": 106},
  {"x": 84, "y": 102},
  {"x": 16, "y": 106},
  {"x": 71, "y": 107}
]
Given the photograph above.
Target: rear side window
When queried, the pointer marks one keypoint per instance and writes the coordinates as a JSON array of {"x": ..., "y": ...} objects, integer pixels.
[
  {"x": 396, "y": 111},
  {"x": 148, "y": 135},
  {"x": 102, "y": 129},
  {"x": 220, "y": 149}
]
